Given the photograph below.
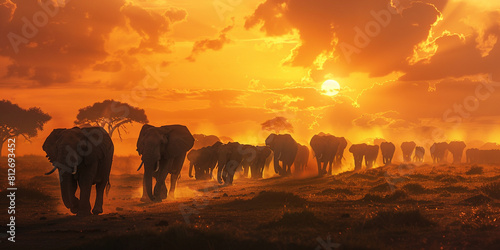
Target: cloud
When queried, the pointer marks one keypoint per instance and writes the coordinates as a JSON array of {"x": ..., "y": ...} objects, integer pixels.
[
  {"x": 203, "y": 45},
  {"x": 277, "y": 124},
  {"x": 341, "y": 37},
  {"x": 151, "y": 26},
  {"x": 58, "y": 43}
]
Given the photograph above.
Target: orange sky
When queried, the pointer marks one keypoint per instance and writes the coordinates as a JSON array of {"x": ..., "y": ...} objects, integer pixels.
[{"x": 224, "y": 67}]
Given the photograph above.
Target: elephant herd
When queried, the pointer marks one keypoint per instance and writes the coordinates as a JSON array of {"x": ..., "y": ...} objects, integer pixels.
[{"x": 83, "y": 158}]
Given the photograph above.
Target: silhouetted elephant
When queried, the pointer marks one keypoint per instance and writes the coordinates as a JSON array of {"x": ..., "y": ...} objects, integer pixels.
[
  {"x": 358, "y": 152},
  {"x": 325, "y": 148},
  {"x": 203, "y": 160},
  {"x": 285, "y": 149},
  {"x": 201, "y": 140},
  {"x": 477, "y": 156},
  {"x": 419, "y": 154},
  {"x": 257, "y": 166},
  {"x": 439, "y": 152},
  {"x": 253, "y": 159},
  {"x": 83, "y": 157},
  {"x": 229, "y": 158},
  {"x": 387, "y": 149},
  {"x": 456, "y": 148},
  {"x": 301, "y": 159},
  {"x": 340, "y": 152},
  {"x": 163, "y": 150},
  {"x": 371, "y": 154},
  {"x": 407, "y": 148},
  {"x": 472, "y": 155}
]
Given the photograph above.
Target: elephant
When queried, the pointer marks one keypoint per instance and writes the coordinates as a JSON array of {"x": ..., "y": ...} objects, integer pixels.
[
  {"x": 371, "y": 154},
  {"x": 477, "y": 156},
  {"x": 419, "y": 154},
  {"x": 203, "y": 160},
  {"x": 472, "y": 155},
  {"x": 257, "y": 166},
  {"x": 325, "y": 148},
  {"x": 249, "y": 157},
  {"x": 439, "y": 152},
  {"x": 456, "y": 148},
  {"x": 285, "y": 149},
  {"x": 407, "y": 148},
  {"x": 340, "y": 152},
  {"x": 229, "y": 158},
  {"x": 201, "y": 140},
  {"x": 358, "y": 152},
  {"x": 83, "y": 157},
  {"x": 300, "y": 162},
  {"x": 163, "y": 151},
  {"x": 387, "y": 149}
]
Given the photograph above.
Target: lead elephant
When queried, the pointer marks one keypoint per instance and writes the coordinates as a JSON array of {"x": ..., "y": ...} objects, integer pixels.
[
  {"x": 407, "y": 148},
  {"x": 419, "y": 154},
  {"x": 162, "y": 150},
  {"x": 83, "y": 157},
  {"x": 325, "y": 148},
  {"x": 300, "y": 162},
  {"x": 387, "y": 149},
  {"x": 439, "y": 152},
  {"x": 358, "y": 152},
  {"x": 203, "y": 161},
  {"x": 371, "y": 154},
  {"x": 456, "y": 148},
  {"x": 285, "y": 149}
]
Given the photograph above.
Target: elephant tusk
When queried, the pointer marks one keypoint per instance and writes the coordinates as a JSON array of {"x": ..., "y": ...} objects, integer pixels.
[
  {"x": 321, "y": 156},
  {"x": 157, "y": 166},
  {"x": 140, "y": 166},
  {"x": 74, "y": 170},
  {"x": 51, "y": 171}
]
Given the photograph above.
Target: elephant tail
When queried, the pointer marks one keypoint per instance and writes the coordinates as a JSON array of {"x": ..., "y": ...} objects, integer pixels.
[{"x": 108, "y": 187}]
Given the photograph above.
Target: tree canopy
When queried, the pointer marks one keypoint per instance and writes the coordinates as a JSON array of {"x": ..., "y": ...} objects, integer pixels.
[
  {"x": 111, "y": 115},
  {"x": 15, "y": 121},
  {"x": 277, "y": 124}
]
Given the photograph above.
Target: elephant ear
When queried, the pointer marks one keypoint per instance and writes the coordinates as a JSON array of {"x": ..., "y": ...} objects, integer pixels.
[
  {"x": 99, "y": 141},
  {"x": 50, "y": 144},
  {"x": 140, "y": 140},
  {"x": 177, "y": 138},
  {"x": 270, "y": 139}
]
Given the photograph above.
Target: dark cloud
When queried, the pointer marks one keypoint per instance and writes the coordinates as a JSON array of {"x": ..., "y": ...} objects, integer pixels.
[
  {"x": 55, "y": 44},
  {"x": 203, "y": 45},
  {"x": 355, "y": 35},
  {"x": 151, "y": 26}
]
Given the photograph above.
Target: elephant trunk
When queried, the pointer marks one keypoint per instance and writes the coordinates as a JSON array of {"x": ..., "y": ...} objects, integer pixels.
[
  {"x": 68, "y": 189},
  {"x": 148, "y": 183},
  {"x": 191, "y": 165}
]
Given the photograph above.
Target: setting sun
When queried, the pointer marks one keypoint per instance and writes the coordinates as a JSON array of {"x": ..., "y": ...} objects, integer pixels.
[{"x": 330, "y": 88}]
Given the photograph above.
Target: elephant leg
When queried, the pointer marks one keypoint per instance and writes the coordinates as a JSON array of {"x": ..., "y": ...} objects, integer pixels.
[
  {"x": 68, "y": 190},
  {"x": 85, "y": 185},
  {"x": 99, "y": 188},
  {"x": 144, "y": 197},
  {"x": 245, "y": 171},
  {"x": 330, "y": 168},
  {"x": 176, "y": 165},
  {"x": 173, "y": 183}
]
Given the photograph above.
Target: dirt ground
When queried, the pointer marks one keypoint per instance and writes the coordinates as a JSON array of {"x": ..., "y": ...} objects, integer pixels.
[{"x": 393, "y": 207}]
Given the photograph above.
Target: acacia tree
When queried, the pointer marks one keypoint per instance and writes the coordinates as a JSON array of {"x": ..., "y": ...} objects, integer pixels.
[
  {"x": 111, "y": 115},
  {"x": 277, "y": 124},
  {"x": 15, "y": 121}
]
